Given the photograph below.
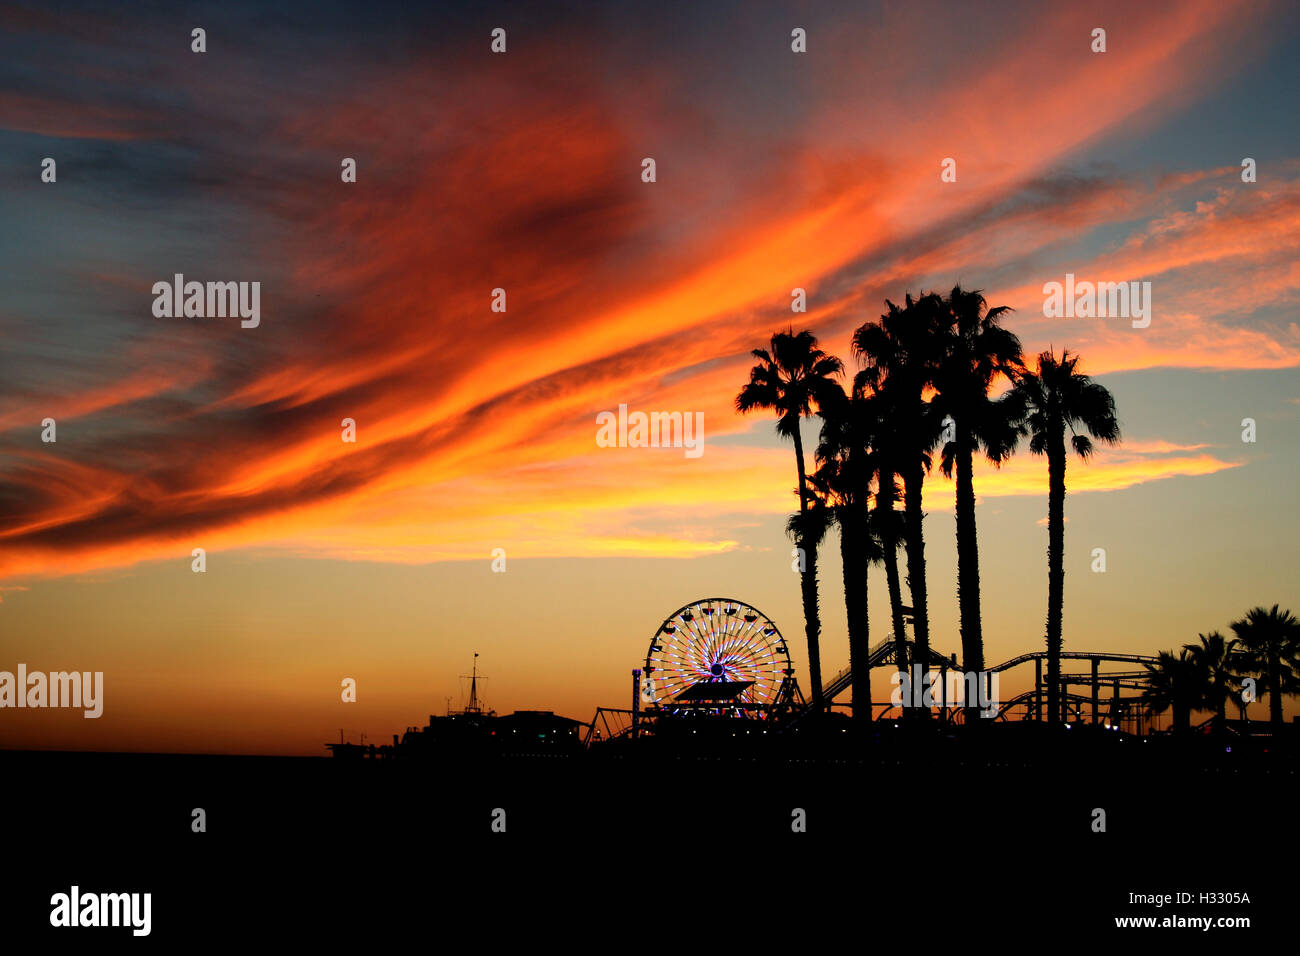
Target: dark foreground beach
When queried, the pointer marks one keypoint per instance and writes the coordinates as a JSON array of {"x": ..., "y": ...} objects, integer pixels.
[{"x": 688, "y": 845}]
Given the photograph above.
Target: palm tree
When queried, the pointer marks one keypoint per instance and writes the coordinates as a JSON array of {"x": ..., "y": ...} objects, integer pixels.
[
  {"x": 977, "y": 352},
  {"x": 808, "y": 530},
  {"x": 843, "y": 480},
  {"x": 790, "y": 379},
  {"x": 887, "y": 527},
  {"x": 1058, "y": 396},
  {"x": 1270, "y": 644},
  {"x": 1175, "y": 682},
  {"x": 1218, "y": 660},
  {"x": 900, "y": 354}
]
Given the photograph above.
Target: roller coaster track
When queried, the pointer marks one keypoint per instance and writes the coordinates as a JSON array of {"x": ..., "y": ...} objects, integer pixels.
[
  {"x": 880, "y": 655},
  {"x": 1078, "y": 656},
  {"x": 1028, "y": 699},
  {"x": 883, "y": 653}
]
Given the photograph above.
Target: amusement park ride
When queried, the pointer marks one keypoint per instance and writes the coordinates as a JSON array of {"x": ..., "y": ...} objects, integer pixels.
[
  {"x": 723, "y": 658},
  {"x": 719, "y": 656},
  {"x": 719, "y": 667}
]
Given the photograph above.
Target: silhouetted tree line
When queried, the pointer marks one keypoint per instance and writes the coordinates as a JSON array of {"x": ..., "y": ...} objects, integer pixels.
[
  {"x": 1263, "y": 657},
  {"x": 941, "y": 381}
]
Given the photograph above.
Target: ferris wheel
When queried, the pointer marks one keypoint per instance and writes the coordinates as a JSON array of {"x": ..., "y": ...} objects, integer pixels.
[{"x": 717, "y": 649}]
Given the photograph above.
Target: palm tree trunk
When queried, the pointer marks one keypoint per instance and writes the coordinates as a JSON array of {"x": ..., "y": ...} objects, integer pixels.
[
  {"x": 852, "y": 558},
  {"x": 1274, "y": 692},
  {"x": 913, "y": 516},
  {"x": 885, "y": 509},
  {"x": 1055, "y": 572},
  {"x": 812, "y": 622},
  {"x": 895, "y": 587},
  {"x": 808, "y": 586},
  {"x": 1182, "y": 719},
  {"x": 803, "y": 477},
  {"x": 968, "y": 574}
]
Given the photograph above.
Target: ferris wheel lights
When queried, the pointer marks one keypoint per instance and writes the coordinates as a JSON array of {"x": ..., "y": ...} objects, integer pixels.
[{"x": 697, "y": 649}]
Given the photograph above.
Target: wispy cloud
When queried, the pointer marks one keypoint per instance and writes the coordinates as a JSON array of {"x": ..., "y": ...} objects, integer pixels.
[{"x": 476, "y": 426}]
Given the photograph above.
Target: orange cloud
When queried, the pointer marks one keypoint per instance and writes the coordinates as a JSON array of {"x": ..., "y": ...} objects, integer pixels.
[{"x": 478, "y": 427}]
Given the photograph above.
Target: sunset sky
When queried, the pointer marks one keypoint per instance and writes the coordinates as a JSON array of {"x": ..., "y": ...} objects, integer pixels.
[{"x": 476, "y": 429}]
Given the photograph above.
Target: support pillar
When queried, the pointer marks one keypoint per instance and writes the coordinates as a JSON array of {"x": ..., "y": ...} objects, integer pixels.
[
  {"x": 1038, "y": 689},
  {"x": 636, "y": 699},
  {"x": 1096, "y": 690}
]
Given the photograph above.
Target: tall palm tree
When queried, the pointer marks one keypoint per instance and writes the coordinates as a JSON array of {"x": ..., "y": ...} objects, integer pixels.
[
  {"x": 1270, "y": 644},
  {"x": 1175, "y": 682},
  {"x": 900, "y": 355},
  {"x": 1218, "y": 660},
  {"x": 843, "y": 479},
  {"x": 977, "y": 354},
  {"x": 1058, "y": 396},
  {"x": 790, "y": 379}
]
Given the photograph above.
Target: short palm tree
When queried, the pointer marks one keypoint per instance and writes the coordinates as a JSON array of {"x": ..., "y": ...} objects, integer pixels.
[
  {"x": 977, "y": 354},
  {"x": 1270, "y": 646},
  {"x": 1057, "y": 396},
  {"x": 1218, "y": 661},
  {"x": 808, "y": 529},
  {"x": 843, "y": 480},
  {"x": 887, "y": 528},
  {"x": 1175, "y": 682},
  {"x": 790, "y": 379}
]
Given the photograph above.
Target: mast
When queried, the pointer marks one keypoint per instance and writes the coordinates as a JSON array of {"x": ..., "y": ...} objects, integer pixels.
[{"x": 473, "y": 707}]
